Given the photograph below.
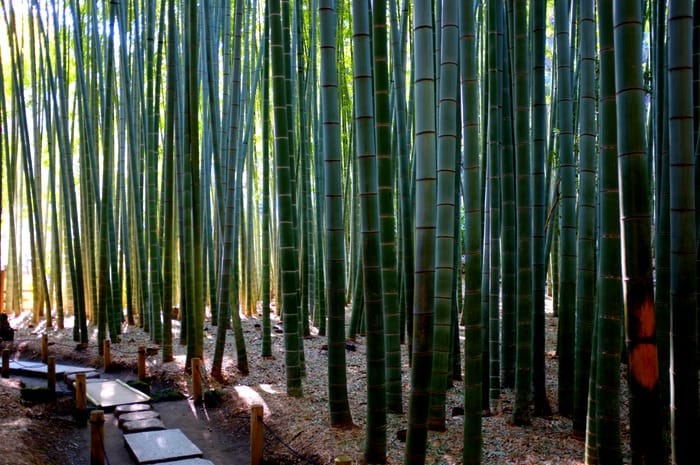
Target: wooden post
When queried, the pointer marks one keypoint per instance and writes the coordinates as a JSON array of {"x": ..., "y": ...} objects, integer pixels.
[
  {"x": 197, "y": 379},
  {"x": 97, "y": 437},
  {"x": 256, "y": 434},
  {"x": 80, "y": 399},
  {"x": 5, "y": 363},
  {"x": 51, "y": 374},
  {"x": 343, "y": 460},
  {"x": 142, "y": 363},
  {"x": 80, "y": 391},
  {"x": 44, "y": 347},
  {"x": 106, "y": 355}
]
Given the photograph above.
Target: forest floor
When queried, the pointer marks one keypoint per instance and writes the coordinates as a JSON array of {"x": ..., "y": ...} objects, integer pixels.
[{"x": 297, "y": 429}]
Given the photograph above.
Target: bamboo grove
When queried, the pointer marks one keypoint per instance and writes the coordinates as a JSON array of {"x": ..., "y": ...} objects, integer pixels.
[{"x": 430, "y": 166}]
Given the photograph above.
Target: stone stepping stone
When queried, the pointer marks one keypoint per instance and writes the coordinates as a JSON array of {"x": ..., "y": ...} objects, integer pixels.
[
  {"x": 159, "y": 446},
  {"x": 188, "y": 462},
  {"x": 41, "y": 369},
  {"x": 106, "y": 394},
  {"x": 139, "y": 426},
  {"x": 70, "y": 378},
  {"x": 137, "y": 416},
  {"x": 130, "y": 408}
]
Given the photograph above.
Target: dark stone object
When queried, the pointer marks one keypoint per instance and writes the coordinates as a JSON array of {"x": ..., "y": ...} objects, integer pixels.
[
  {"x": 138, "y": 426},
  {"x": 6, "y": 332}
]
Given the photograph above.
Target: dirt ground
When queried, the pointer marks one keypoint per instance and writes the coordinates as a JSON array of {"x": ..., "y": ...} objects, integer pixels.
[{"x": 297, "y": 430}]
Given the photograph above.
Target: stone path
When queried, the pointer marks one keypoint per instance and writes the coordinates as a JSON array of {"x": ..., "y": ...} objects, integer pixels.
[{"x": 135, "y": 432}]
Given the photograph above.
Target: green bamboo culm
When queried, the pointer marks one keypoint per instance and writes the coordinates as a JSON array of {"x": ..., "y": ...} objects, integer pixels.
[
  {"x": 192, "y": 194},
  {"x": 609, "y": 301},
  {"x": 425, "y": 225},
  {"x": 539, "y": 133},
  {"x": 524, "y": 305},
  {"x": 169, "y": 211},
  {"x": 567, "y": 238},
  {"x": 473, "y": 360},
  {"x": 335, "y": 237},
  {"x": 494, "y": 152},
  {"x": 386, "y": 183},
  {"x": 685, "y": 421},
  {"x": 366, "y": 153},
  {"x": 662, "y": 248},
  {"x": 586, "y": 211},
  {"x": 637, "y": 270},
  {"x": 265, "y": 275},
  {"x": 405, "y": 220},
  {"x": 444, "y": 234},
  {"x": 289, "y": 275}
]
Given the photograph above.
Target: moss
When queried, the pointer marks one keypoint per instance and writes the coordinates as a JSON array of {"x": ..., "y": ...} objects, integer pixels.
[
  {"x": 166, "y": 395},
  {"x": 37, "y": 395},
  {"x": 140, "y": 385}
]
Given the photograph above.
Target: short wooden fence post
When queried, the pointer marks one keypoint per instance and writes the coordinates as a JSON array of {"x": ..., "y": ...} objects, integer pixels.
[
  {"x": 44, "y": 347},
  {"x": 5, "y": 363},
  {"x": 106, "y": 354},
  {"x": 342, "y": 460},
  {"x": 197, "y": 379},
  {"x": 97, "y": 437},
  {"x": 51, "y": 374},
  {"x": 142, "y": 363},
  {"x": 80, "y": 398},
  {"x": 256, "y": 434}
]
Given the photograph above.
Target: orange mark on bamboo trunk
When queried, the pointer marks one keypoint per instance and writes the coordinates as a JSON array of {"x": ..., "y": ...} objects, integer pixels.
[
  {"x": 644, "y": 365},
  {"x": 646, "y": 319}
]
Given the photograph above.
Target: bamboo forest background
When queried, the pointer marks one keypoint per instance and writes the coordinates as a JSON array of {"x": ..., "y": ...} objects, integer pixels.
[{"x": 433, "y": 164}]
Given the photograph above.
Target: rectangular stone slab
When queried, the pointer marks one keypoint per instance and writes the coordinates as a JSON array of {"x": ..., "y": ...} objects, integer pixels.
[
  {"x": 188, "y": 462},
  {"x": 134, "y": 416},
  {"x": 139, "y": 426},
  {"x": 107, "y": 394},
  {"x": 41, "y": 369},
  {"x": 131, "y": 408},
  {"x": 159, "y": 446}
]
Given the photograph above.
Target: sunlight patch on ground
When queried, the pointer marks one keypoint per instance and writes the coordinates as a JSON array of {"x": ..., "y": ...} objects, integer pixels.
[
  {"x": 269, "y": 389},
  {"x": 247, "y": 397}
]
